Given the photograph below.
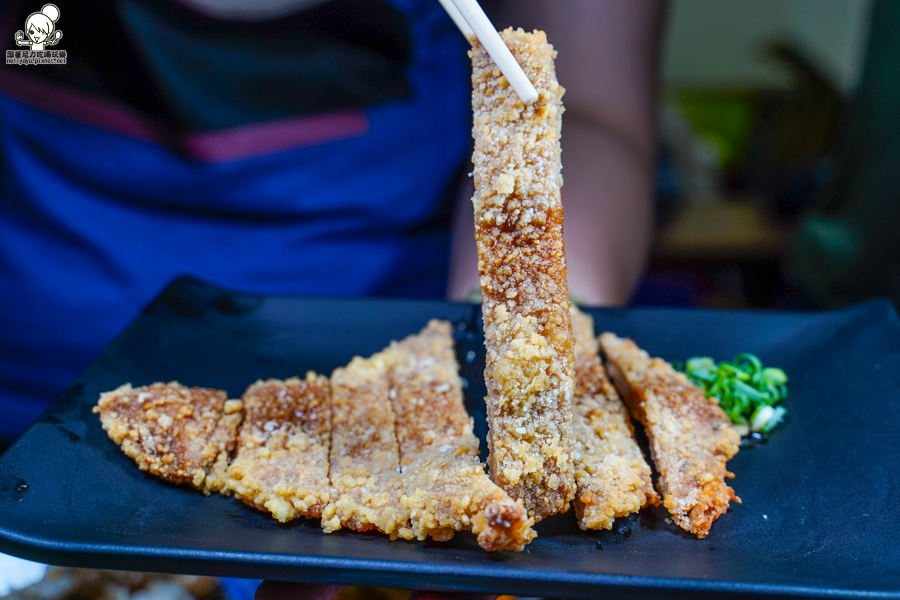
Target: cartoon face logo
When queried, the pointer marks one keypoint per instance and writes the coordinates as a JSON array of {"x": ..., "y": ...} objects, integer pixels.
[{"x": 40, "y": 27}]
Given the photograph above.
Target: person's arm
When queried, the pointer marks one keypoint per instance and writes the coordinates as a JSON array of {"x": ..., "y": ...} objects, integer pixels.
[{"x": 608, "y": 63}]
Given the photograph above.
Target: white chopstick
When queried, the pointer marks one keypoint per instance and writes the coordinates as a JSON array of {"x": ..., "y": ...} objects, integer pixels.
[
  {"x": 457, "y": 18},
  {"x": 470, "y": 12}
]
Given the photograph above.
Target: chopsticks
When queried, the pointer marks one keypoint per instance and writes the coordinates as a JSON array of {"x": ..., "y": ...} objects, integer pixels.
[{"x": 470, "y": 18}]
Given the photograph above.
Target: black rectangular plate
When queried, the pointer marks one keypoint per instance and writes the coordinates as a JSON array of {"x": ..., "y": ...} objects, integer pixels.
[{"x": 817, "y": 520}]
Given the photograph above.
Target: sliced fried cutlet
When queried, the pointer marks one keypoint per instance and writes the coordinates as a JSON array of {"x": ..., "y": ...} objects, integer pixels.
[
  {"x": 281, "y": 464},
  {"x": 522, "y": 266},
  {"x": 364, "y": 458},
  {"x": 181, "y": 434},
  {"x": 445, "y": 488},
  {"x": 691, "y": 438},
  {"x": 612, "y": 476}
]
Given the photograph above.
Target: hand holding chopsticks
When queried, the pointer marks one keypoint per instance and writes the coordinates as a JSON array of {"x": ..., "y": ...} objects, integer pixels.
[{"x": 471, "y": 20}]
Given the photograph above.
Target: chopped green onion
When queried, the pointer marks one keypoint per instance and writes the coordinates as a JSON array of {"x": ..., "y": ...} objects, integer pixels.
[
  {"x": 761, "y": 416},
  {"x": 777, "y": 417},
  {"x": 747, "y": 391},
  {"x": 774, "y": 375}
]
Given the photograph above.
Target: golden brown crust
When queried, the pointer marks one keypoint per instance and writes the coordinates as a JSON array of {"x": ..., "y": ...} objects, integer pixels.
[
  {"x": 612, "y": 476},
  {"x": 426, "y": 392},
  {"x": 365, "y": 460},
  {"x": 521, "y": 261},
  {"x": 445, "y": 488},
  {"x": 225, "y": 440},
  {"x": 691, "y": 438},
  {"x": 281, "y": 464},
  {"x": 303, "y": 451},
  {"x": 181, "y": 434}
]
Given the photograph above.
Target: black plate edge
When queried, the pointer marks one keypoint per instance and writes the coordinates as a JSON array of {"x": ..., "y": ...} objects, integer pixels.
[
  {"x": 214, "y": 292},
  {"x": 187, "y": 283},
  {"x": 485, "y": 579}
]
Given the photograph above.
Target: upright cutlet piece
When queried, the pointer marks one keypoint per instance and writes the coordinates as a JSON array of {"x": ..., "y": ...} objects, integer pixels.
[
  {"x": 281, "y": 464},
  {"x": 181, "y": 434},
  {"x": 445, "y": 488},
  {"x": 522, "y": 265},
  {"x": 691, "y": 438},
  {"x": 365, "y": 459},
  {"x": 612, "y": 476}
]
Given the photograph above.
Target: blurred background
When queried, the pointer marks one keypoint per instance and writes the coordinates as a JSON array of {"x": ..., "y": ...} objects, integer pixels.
[
  {"x": 755, "y": 93},
  {"x": 757, "y": 106}
]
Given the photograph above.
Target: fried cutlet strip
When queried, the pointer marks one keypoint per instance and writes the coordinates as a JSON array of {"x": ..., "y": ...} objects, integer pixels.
[
  {"x": 426, "y": 392},
  {"x": 612, "y": 476},
  {"x": 281, "y": 464},
  {"x": 181, "y": 434},
  {"x": 445, "y": 486},
  {"x": 364, "y": 458},
  {"x": 522, "y": 265},
  {"x": 691, "y": 438}
]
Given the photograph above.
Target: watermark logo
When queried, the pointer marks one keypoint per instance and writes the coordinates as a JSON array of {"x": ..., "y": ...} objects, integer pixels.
[{"x": 40, "y": 32}]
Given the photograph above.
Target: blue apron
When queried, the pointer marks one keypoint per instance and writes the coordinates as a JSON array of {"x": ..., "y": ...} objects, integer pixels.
[{"x": 109, "y": 190}]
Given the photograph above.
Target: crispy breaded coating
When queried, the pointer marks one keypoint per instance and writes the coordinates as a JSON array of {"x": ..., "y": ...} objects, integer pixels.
[
  {"x": 365, "y": 459},
  {"x": 690, "y": 437},
  {"x": 182, "y": 434},
  {"x": 426, "y": 392},
  {"x": 281, "y": 464},
  {"x": 612, "y": 476},
  {"x": 522, "y": 265},
  {"x": 445, "y": 488}
]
